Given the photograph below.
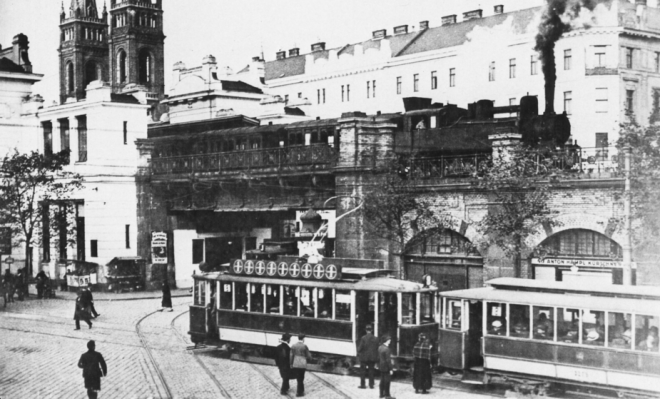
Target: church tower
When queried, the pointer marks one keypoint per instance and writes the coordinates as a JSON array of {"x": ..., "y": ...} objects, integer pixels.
[
  {"x": 136, "y": 46},
  {"x": 83, "y": 48}
]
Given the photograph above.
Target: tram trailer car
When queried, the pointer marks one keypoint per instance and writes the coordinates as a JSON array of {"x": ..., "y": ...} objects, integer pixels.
[
  {"x": 247, "y": 308},
  {"x": 540, "y": 335}
]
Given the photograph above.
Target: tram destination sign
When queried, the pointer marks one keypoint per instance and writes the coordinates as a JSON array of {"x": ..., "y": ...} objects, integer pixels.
[
  {"x": 289, "y": 270},
  {"x": 578, "y": 262}
]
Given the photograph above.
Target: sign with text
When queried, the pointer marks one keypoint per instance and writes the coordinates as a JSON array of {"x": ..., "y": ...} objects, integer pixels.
[
  {"x": 159, "y": 247},
  {"x": 578, "y": 263}
]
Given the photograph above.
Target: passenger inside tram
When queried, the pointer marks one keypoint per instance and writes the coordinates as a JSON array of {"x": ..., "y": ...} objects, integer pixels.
[
  {"x": 325, "y": 303},
  {"x": 650, "y": 343},
  {"x": 616, "y": 328},
  {"x": 290, "y": 301},
  {"x": 306, "y": 302},
  {"x": 592, "y": 328},
  {"x": 454, "y": 315},
  {"x": 343, "y": 305},
  {"x": 520, "y": 321},
  {"x": 496, "y": 319},
  {"x": 241, "y": 296},
  {"x": 257, "y": 298},
  {"x": 273, "y": 299},
  {"x": 544, "y": 325}
]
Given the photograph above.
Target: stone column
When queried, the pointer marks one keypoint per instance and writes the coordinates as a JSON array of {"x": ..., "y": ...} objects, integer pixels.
[
  {"x": 73, "y": 139},
  {"x": 503, "y": 141}
]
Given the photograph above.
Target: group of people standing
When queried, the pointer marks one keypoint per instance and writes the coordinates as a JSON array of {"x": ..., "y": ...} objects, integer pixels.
[
  {"x": 13, "y": 284},
  {"x": 291, "y": 360}
]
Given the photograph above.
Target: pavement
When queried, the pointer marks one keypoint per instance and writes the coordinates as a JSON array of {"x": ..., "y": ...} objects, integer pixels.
[{"x": 148, "y": 356}]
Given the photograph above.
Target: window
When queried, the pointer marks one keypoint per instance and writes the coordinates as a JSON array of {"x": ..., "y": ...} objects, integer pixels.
[
  {"x": 657, "y": 62},
  {"x": 398, "y": 85},
  {"x": 64, "y": 134},
  {"x": 512, "y": 102},
  {"x": 452, "y": 77},
  {"x": 94, "y": 248},
  {"x": 197, "y": 251},
  {"x": 290, "y": 301},
  {"x": 323, "y": 95},
  {"x": 368, "y": 88},
  {"x": 629, "y": 57},
  {"x": 226, "y": 295},
  {"x": 496, "y": 318},
  {"x": 543, "y": 326},
  {"x": 348, "y": 92},
  {"x": 125, "y": 132},
  {"x": 601, "y": 147},
  {"x": 273, "y": 299},
  {"x": 491, "y": 72},
  {"x": 426, "y": 308},
  {"x": 324, "y": 298},
  {"x": 318, "y": 96},
  {"x": 416, "y": 82},
  {"x": 583, "y": 243},
  {"x": 82, "y": 138},
  {"x": 454, "y": 315},
  {"x": 127, "y": 235},
  {"x": 646, "y": 333},
  {"x": 434, "y": 80},
  {"x": 630, "y": 103},
  {"x": 593, "y": 327},
  {"x": 600, "y": 60},
  {"x": 299, "y": 95},
  {"x": 533, "y": 65},
  {"x": 512, "y": 68},
  {"x": 241, "y": 296},
  {"x": 568, "y": 100},
  {"x": 70, "y": 83},
  {"x": 307, "y": 302},
  {"x": 520, "y": 321},
  {"x": 48, "y": 138},
  {"x": 601, "y": 100},
  {"x": 568, "y": 325},
  {"x": 145, "y": 67},
  {"x": 408, "y": 308},
  {"x": 122, "y": 66},
  {"x": 343, "y": 93},
  {"x": 373, "y": 89},
  {"x": 286, "y": 99},
  {"x": 343, "y": 305},
  {"x": 256, "y": 294},
  {"x": 618, "y": 330},
  {"x": 567, "y": 59}
]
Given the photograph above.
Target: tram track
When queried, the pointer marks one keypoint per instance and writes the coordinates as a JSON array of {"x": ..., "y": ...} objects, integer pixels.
[
  {"x": 143, "y": 341},
  {"x": 330, "y": 386}
]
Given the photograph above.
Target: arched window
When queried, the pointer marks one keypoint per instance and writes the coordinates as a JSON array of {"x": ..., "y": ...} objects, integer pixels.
[
  {"x": 69, "y": 78},
  {"x": 581, "y": 242},
  {"x": 122, "y": 66},
  {"x": 145, "y": 69},
  {"x": 441, "y": 242},
  {"x": 91, "y": 73}
]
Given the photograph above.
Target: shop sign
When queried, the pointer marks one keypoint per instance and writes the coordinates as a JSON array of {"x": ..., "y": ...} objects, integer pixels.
[
  {"x": 159, "y": 247},
  {"x": 578, "y": 262},
  {"x": 80, "y": 281}
]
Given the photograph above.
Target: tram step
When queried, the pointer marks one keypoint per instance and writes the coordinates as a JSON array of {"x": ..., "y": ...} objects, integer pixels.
[{"x": 473, "y": 377}]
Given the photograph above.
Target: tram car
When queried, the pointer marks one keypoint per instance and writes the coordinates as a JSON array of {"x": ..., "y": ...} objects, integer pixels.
[
  {"x": 542, "y": 335},
  {"x": 248, "y": 307}
]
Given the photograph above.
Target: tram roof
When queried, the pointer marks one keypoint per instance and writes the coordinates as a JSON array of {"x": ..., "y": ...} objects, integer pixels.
[
  {"x": 611, "y": 290},
  {"x": 562, "y": 300},
  {"x": 380, "y": 284}
]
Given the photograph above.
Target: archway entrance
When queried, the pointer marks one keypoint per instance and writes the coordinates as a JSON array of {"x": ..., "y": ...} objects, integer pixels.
[
  {"x": 579, "y": 255},
  {"x": 448, "y": 257}
]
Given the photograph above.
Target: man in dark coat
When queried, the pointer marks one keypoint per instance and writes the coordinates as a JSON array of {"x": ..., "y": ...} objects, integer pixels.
[
  {"x": 94, "y": 368},
  {"x": 9, "y": 286},
  {"x": 42, "y": 280},
  {"x": 81, "y": 312},
  {"x": 298, "y": 366},
  {"x": 283, "y": 361},
  {"x": 166, "y": 303},
  {"x": 385, "y": 367},
  {"x": 88, "y": 302},
  {"x": 367, "y": 352}
]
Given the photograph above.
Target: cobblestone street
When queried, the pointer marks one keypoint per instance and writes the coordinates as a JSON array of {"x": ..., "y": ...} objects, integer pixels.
[{"x": 39, "y": 351}]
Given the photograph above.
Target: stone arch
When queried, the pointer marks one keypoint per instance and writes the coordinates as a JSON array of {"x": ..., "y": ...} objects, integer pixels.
[
  {"x": 70, "y": 77},
  {"x": 145, "y": 66},
  {"x": 122, "y": 66},
  {"x": 91, "y": 73},
  {"x": 586, "y": 221}
]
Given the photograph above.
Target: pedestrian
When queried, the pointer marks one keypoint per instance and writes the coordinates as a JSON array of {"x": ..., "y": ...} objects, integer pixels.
[
  {"x": 81, "y": 312},
  {"x": 385, "y": 367},
  {"x": 367, "y": 351},
  {"x": 166, "y": 303},
  {"x": 94, "y": 368},
  {"x": 299, "y": 357},
  {"x": 41, "y": 284},
  {"x": 9, "y": 286},
  {"x": 88, "y": 300},
  {"x": 19, "y": 284},
  {"x": 283, "y": 361},
  {"x": 422, "y": 370}
]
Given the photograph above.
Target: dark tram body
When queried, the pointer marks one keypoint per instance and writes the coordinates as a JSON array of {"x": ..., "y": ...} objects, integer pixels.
[
  {"x": 542, "y": 333},
  {"x": 253, "y": 303}
]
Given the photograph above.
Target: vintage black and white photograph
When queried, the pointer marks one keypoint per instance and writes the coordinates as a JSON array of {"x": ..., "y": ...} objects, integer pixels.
[{"x": 250, "y": 199}]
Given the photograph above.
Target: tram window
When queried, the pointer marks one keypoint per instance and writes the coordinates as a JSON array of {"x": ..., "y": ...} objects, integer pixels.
[
  {"x": 225, "y": 295},
  {"x": 593, "y": 327},
  {"x": 568, "y": 325},
  {"x": 273, "y": 299},
  {"x": 213, "y": 300},
  {"x": 496, "y": 318},
  {"x": 290, "y": 301},
  {"x": 544, "y": 328},
  {"x": 257, "y": 298},
  {"x": 343, "y": 305},
  {"x": 325, "y": 303},
  {"x": 306, "y": 302},
  {"x": 618, "y": 330},
  {"x": 408, "y": 308},
  {"x": 646, "y": 333},
  {"x": 427, "y": 308},
  {"x": 200, "y": 293},
  {"x": 454, "y": 312},
  {"x": 241, "y": 296},
  {"x": 519, "y": 321}
]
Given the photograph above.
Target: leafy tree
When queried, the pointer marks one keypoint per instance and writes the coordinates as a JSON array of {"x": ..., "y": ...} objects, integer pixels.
[
  {"x": 517, "y": 183},
  {"x": 26, "y": 182}
]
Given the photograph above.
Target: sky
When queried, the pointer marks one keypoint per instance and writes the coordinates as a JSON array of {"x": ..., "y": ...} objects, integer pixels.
[{"x": 234, "y": 31}]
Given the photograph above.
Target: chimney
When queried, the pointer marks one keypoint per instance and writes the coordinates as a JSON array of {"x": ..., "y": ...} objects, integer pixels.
[
  {"x": 280, "y": 55},
  {"x": 472, "y": 15},
  {"x": 423, "y": 25},
  {"x": 499, "y": 9},
  {"x": 177, "y": 69},
  {"x": 320, "y": 46},
  {"x": 294, "y": 52},
  {"x": 448, "y": 19},
  {"x": 400, "y": 30},
  {"x": 379, "y": 34},
  {"x": 256, "y": 59}
]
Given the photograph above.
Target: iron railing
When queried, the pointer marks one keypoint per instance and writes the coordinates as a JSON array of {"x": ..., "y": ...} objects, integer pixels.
[{"x": 445, "y": 166}]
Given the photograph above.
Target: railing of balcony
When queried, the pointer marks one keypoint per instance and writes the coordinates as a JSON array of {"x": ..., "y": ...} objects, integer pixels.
[
  {"x": 250, "y": 159},
  {"x": 445, "y": 166}
]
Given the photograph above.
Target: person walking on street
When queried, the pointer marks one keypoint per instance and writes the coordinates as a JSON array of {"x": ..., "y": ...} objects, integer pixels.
[
  {"x": 9, "y": 286},
  {"x": 41, "y": 284},
  {"x": 367, "y": 352},
  {"x": 88, "y": 300},
  {"x": 19, "y": 284},
  {"x": 81, "y": 312},
  {"x": 283, "y": 361},
  {"x": 422, "y": 372},
  {"x": 385, "y": 367},
  {"x": 166, "y": 303},
  {"x": 299, "y": 357},
  {"x": 94, "y": 368}
]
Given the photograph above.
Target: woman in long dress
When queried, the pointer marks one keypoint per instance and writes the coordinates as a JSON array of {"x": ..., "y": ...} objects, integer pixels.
[
  {"x": 166, "y": 303},
  {"x": 422, "y": 371}
]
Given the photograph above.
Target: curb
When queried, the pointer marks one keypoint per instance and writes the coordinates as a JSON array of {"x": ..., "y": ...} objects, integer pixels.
[{"x": 129, "y": 298}]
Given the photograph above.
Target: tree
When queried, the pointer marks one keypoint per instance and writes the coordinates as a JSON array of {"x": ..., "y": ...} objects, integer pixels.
[
  {"x": 395, "y": 211},
  {"x": 518, "y": 185},
  {"x": 27, "y": 181}
]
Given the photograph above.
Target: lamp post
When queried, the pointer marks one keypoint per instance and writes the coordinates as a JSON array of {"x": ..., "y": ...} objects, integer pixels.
[{"x": 627, "y": 230}]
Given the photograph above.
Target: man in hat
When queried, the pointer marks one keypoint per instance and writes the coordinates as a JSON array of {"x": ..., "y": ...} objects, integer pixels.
[
  {"x": 283, "y": 361},
  {"x": 367, "y": 351},
  {"x": 385, "y": 367},
  {"x": 299, "y": 357},
  {"x": 94, "y": 368}
]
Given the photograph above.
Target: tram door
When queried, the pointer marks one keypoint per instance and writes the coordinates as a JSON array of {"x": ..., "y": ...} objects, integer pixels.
[
  {"x": 387, "y": 316},
  {"x": 473, "y": 356},
  {"x": 364, "y": 311}
]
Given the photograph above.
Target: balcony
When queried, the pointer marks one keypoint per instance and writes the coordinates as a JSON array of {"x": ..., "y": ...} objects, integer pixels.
[
  {"x": 139, "y": 3},
  {"x": 445, "y": 166},
  {"x": 256, "y": 161}
]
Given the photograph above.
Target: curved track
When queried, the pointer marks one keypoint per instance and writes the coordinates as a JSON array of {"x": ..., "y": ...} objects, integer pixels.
[{"x": 143, "y": 341}]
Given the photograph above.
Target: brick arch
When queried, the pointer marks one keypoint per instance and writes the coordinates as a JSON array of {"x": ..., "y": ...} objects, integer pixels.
[
  {"x": 584, "y": 221},
  {"x": 457, "y": 225}
]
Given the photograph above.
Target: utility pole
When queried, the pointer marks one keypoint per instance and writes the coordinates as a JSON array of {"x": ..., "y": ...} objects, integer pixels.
[{"x": 627, "y": 229}]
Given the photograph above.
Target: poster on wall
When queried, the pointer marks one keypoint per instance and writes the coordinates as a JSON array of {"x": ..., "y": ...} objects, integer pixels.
[{"x": 159, "y": 247}]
